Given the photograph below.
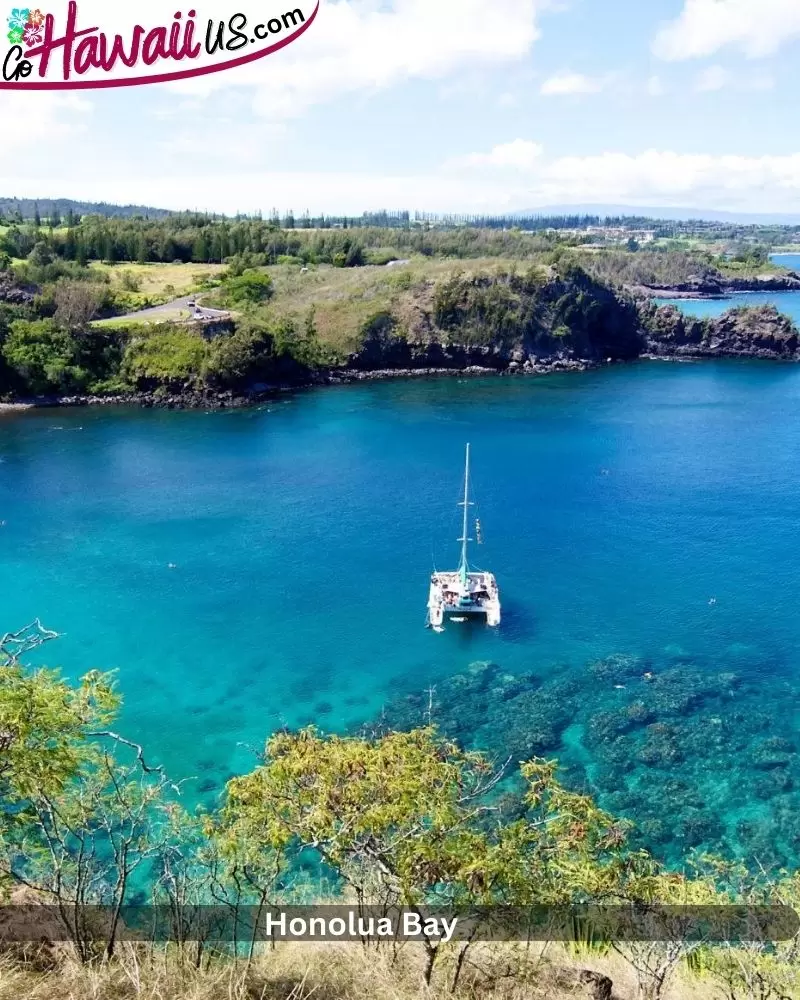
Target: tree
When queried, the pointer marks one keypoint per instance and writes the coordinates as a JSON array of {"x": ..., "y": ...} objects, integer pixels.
[
  {"x": 248, "y": 288},
  {"x": 407, "y": 819},
  {"x": 44, "y": 355},
  {"x": 77, "y": 303},
  {"x": 41, "y": 255},
  {"x": 80, "y": 810}
]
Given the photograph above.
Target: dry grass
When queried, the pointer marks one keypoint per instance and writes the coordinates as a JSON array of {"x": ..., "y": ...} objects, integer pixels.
[
  {"x": 326, "y": 972},
  {"x": 345, "y": 299},
  {"x": 159, "y": 282}
]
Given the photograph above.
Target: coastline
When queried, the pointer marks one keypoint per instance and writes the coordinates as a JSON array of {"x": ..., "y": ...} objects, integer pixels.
[
  {"x": 209, "y": 399},
  {"x": 191, "y": 399},
  {"x": 712, "y": 289}
]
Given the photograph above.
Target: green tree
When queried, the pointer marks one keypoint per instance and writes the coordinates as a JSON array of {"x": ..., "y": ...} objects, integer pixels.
[
  {"x": 44, "y": 356},
  {"x": 248, "y": 288}
]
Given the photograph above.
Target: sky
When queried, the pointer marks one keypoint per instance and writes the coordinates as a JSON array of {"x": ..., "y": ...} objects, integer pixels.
[{"x": 466, "y": 106}]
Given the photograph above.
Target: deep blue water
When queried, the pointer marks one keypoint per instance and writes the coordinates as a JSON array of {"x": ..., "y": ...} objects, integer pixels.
[
  {"x": 615, "y": 504},
  {"x": 785, "y": 302}
]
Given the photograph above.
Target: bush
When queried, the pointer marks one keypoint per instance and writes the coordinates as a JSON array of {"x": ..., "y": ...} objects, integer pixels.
[
  {"x": 249, "y": 288},
  {"x": 44, "y": 357},
  {"x": 165, "y": 354}
]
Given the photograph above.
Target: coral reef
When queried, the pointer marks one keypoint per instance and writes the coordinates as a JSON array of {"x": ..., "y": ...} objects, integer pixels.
[{"x": 698, "y": 754}]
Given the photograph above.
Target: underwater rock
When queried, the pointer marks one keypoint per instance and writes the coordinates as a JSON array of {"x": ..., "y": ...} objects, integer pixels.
[
  {"x": 772, "y": 752},
  {"x": 774, "y": 782},
  {"x": 618, "y": 668},
  {"x": 697, "y": 827},
  {"x": 604, "y": 727},
  {"x": 662, "y": 747},
  {"x": 639, "y": 714},
  {"x": 482, "y": 673},
  {"x": 683, "y": 749}
]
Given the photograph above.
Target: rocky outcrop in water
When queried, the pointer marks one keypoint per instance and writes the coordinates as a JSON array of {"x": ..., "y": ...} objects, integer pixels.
[
  {"x": 696, "y": 751},
  {"x": 709, "y": 286},
  {"x": 760, "y": 332}
]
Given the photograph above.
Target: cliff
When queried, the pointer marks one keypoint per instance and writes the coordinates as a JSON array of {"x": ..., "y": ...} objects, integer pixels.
[
  {"x": 558, "y": 320},
  {"x": 760, "y": 332},
  {"x": 504, "y": 322}
]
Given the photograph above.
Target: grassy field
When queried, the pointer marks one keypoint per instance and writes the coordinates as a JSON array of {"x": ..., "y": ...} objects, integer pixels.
[
  {"x": 345, "y": 299},
  {"x": 158, "y": 283}
]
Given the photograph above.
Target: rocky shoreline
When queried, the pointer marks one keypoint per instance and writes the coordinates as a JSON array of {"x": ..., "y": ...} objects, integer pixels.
[
  {"x": 190, "y": 398},
  {"x": 631, "y": 329},
  {"x": 710, "y": 288},
  {"x": 194, "y": 399}
]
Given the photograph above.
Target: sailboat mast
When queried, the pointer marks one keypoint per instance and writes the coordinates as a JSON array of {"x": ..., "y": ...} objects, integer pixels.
[{"x": 465, "y": 536}]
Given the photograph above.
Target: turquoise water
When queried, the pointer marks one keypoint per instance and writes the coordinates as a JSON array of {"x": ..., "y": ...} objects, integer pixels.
[
  {"x": 616, "y": 506},
  {"x": 790, "y": 260},
  {"x": 785, "y": 302}
]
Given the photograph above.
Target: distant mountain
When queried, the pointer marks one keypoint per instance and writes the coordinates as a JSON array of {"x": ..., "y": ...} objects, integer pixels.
[
  {"x": 671, "y": 214},
  {"x": 27, "y": 208}
]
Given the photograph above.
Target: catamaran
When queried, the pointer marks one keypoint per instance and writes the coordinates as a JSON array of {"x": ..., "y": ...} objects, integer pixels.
[{"x": 465, "y": 593}]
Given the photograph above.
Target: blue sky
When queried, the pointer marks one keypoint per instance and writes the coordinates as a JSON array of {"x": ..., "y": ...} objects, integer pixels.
[{"x": 448, "y": 105}]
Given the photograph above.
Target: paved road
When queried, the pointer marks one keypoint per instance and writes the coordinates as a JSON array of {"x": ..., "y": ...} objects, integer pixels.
[{"x": 171, "y": 310}]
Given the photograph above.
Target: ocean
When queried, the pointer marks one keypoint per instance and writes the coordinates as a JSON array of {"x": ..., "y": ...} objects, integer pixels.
[{"x": 246, "y": 570}]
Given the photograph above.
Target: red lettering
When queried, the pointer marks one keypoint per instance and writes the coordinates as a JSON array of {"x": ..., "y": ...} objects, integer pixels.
[
  {"x": 155, "y": 46},
  {"x": 67, "y": 41},
  {"x": 108, "y": 61},
  {"x": 189, "y": 50},
  {"x": 86, "y": 55}
]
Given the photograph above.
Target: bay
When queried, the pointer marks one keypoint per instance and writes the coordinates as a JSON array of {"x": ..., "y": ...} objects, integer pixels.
[{"x": 251, "y": 569}]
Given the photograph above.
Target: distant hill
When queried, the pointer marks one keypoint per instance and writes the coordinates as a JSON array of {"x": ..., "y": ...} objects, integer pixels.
[
  {"x": 27, "y": 207},
  {"x": 668, "y": 214}
]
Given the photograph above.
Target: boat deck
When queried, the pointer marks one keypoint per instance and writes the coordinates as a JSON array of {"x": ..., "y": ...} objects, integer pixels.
[{"x": 449, "y": 597}]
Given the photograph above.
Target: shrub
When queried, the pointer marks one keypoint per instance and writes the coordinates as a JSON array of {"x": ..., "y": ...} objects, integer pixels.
[
  {"x": 44, "y": 357},
  {"x": 248, "y": 289},
  {"x": 165, "y": 354}
]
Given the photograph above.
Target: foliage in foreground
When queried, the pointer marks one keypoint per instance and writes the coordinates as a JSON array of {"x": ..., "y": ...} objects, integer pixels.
[{"x": 397, "y": 818}]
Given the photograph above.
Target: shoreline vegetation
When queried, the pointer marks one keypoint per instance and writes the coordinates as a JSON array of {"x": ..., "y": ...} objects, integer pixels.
[
  {"x": 382, "y": 819},
  {"x": 119, "y": 310}
]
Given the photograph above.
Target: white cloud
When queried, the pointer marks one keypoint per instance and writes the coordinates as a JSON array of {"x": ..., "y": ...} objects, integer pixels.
[
  {"x": 360, "y": 46},
  {"x": 515, "y": 175},
  {"x": 757, "y": 27},
  {"x": 653, "y": 177},
  {"x": 571, "y": 83},
  {"x": 718, "y": 78},
  {"x": 669, "y": 178},
  {"x": 42, "y": 119},
  {"x": 519, "y": 154},
  {"x": 712, "y": 78}
]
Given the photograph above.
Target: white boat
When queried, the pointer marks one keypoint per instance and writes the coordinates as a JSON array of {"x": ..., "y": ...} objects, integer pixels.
[{"x": 464, "y": 593}]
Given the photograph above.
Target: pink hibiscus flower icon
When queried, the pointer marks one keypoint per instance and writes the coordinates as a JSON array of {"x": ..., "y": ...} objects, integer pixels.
[{"x": 33, "y": 35}]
